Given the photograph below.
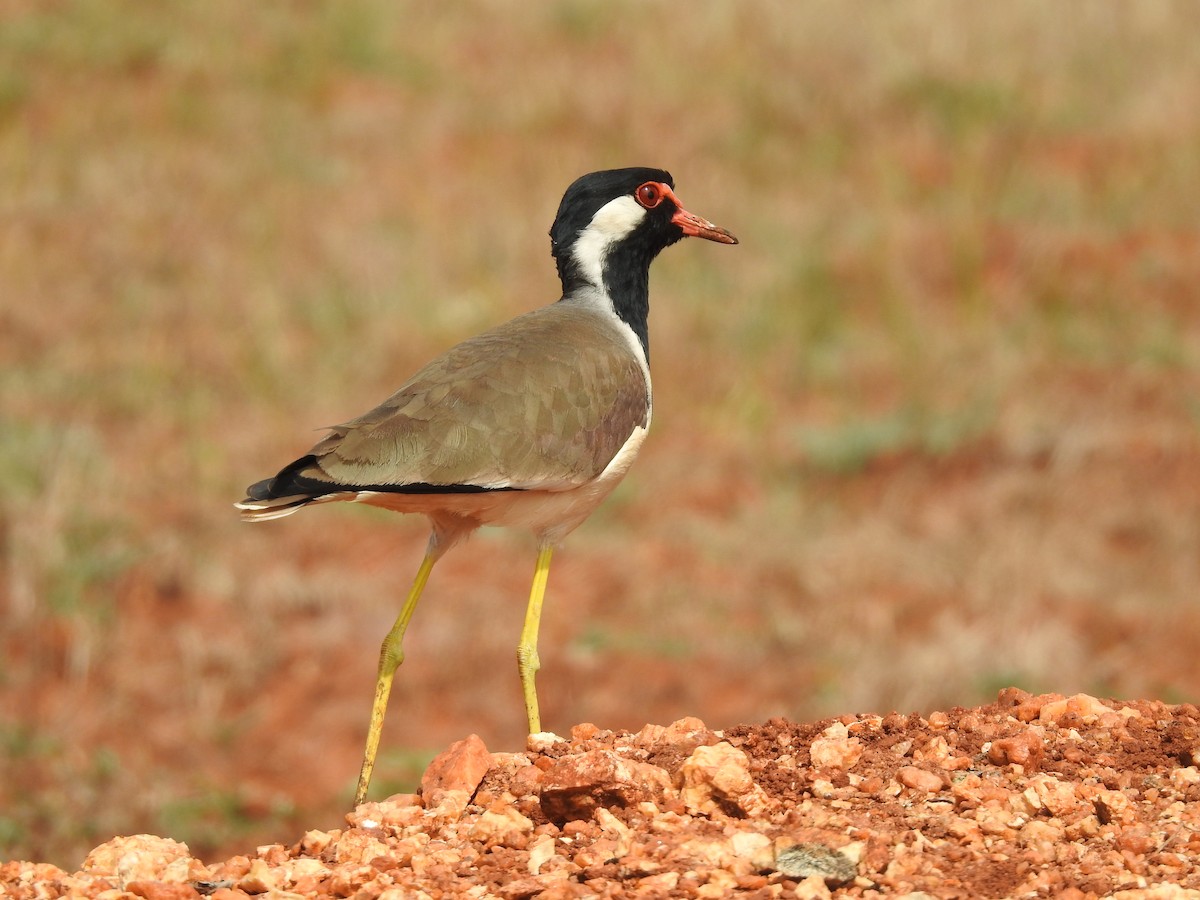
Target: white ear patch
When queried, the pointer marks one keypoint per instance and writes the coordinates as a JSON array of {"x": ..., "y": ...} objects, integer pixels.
[{"x": 612, "y": 223}]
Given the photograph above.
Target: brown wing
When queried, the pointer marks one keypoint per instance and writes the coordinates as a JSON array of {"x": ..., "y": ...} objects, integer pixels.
[{"x": 543, "y": 402}]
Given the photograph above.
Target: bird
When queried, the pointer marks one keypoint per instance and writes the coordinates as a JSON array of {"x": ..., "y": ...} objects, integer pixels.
[{"x": 530, "y": 424}]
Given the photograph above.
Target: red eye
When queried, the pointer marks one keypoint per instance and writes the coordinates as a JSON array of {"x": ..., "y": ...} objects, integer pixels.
[{"x": 649, "y": 194}]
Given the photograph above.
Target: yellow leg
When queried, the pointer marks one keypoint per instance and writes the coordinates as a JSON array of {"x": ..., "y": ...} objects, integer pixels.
[
  {"x": 527, "y": 655},
  {"x": 391, "y": 654}
]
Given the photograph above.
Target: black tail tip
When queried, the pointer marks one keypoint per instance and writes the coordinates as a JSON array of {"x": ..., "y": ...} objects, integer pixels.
[{"x": 260, "y": 490}]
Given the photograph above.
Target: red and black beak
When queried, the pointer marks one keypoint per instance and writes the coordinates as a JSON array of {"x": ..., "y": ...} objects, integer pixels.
[{"x": 694, "y": 226}]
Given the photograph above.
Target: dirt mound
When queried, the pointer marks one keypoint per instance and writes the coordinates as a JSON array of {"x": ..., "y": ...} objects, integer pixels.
[{"x": 1029, "y": 796}]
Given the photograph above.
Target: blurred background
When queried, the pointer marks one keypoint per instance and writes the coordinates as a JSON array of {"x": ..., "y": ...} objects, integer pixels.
[{"x": 932, "y": 429}]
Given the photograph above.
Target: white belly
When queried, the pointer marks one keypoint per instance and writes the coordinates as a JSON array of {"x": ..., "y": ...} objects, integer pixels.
[{"x": 550, "y": 515}]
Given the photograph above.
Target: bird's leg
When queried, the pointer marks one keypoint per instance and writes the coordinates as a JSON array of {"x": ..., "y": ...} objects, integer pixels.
[
  {"x": 527, "y": 655},
  {"x": 391, "y": 654}
]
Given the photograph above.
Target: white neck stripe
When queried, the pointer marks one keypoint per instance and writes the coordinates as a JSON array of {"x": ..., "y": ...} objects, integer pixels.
[{"x": 613, "y": 222}]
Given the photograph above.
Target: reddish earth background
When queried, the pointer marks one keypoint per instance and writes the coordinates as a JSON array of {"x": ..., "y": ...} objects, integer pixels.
[{"x": 932, "y": 429}]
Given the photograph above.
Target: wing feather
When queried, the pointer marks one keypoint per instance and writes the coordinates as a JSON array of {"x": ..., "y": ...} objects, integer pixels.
[{"x": 543, "y": 402}]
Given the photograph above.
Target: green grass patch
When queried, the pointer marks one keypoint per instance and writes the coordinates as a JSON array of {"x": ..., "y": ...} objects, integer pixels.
[
  {"x": 397, "y": 772},
  {"x": 851, "y": 446}
]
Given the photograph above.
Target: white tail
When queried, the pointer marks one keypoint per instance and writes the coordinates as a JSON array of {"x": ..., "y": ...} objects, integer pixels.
[{"x": 274, "y": 508}]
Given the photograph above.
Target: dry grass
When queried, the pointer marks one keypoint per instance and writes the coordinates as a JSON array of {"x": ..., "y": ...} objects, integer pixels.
[{"x": 933, "y": 427}]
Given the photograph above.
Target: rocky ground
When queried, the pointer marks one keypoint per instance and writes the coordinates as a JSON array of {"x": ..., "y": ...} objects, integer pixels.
[{"x": 1031, "y": 796}]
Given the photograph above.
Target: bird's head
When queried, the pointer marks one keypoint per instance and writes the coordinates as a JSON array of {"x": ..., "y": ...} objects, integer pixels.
[{"x": 634, "y": 210}]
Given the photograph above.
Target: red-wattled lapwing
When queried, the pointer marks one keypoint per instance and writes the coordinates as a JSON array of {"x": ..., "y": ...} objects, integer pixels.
[{"x": 530, "y": 424}]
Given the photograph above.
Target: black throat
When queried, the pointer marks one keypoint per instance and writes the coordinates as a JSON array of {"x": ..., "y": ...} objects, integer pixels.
[
  {"x": 626, "y": 276},
  {"x": 627, "y": 283}
]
